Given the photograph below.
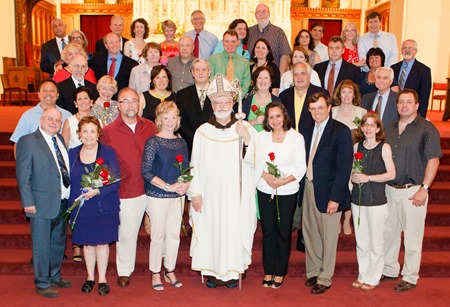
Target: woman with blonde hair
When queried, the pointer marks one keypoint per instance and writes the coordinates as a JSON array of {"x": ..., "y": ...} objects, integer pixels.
[
  {"x": 350, "y": 36},
  {"x": 105, "y": 109},
  {"x": 62, "y": 72},
  {"x": 169, "y": 46}
]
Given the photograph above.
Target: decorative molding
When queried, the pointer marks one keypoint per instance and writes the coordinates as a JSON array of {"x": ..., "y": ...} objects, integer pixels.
[
  {"x": 97, "y": 8},
  {"x": 324, "y": 13}
]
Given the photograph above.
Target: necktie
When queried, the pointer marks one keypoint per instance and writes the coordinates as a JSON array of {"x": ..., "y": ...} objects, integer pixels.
[
  {"x": 79, "y": 84},
  {"x": 202, "y": 98},
  {"x": 63, "y": 44},
  {"x": 378, "y": 107},
  {"x": 330, "y": 85},
  {"x": 401, "y": 82},
  {"x": 309, "y": 171},
  {"x": 112, "y": 67},
  {"x": 230, "y": 69},
  {"x": 196, "y": 45},
  {"x": 375, "y": 41},
  {"x": 62, "y": 164}
]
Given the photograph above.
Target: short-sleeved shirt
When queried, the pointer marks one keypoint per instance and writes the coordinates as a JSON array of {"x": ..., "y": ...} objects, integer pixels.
[{"x": 181, "y": 73}]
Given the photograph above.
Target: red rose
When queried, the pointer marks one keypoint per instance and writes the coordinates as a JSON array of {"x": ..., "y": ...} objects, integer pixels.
[
  {"x": 100, "y": 161},
  {"x": 245, "y": 47},
  {"x": 105, "y": 182},
  {"x": 358, "y": 155},
  {"x": 254, "y": 108},
  {"x": 106, "y": 104},
  {"x": 179, "y": 158},
  {"x": 372, "y": 112},
  {"x": 104, "y": 174},
  {"x": 271, "y": 156}
]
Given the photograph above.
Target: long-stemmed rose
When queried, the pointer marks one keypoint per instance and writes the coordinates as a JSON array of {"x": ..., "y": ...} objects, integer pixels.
[
  {"x": 358, "y": 168},
  {"x": 185, "y": 176},
  {"x": 257, "y": 110},
  {"x": 273, "y": 170}
]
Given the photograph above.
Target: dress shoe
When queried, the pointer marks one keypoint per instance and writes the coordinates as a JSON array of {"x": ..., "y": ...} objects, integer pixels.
[
  {"x": 319, "y": 289},
  {"x": 404, "y": 286},
  {"x": 103, "y": 288},
  {"x": 387, "y": 278},
  {"x": 87, "y": 286},
  {"x": 231, "y": 285},
  {"x": 311, "y": 282},
  {"x": 123, "y": 281},
  {"x": 210, "y": 284},
  {"x": 48, "y": 292},
  {"x": 61, "y": 283}
]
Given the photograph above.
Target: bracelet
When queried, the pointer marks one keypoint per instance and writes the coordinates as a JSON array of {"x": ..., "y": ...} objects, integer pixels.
[{"x": 166, "y": 187}]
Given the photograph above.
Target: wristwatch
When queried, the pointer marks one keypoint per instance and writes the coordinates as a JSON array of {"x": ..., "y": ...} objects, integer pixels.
[{"x": 425, "y": 186}]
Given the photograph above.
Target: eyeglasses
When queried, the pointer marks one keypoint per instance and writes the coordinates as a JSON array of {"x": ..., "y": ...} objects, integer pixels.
[
  {"x": 408, "y": 48},
  {"x": 52, "y": 119},
  {"x": 76, "y": 38},
  {"x": 76, "y": 66},
  {"x": 367, "y": 125},
  {"x": 129, "y": 101},
  {"x": 320, "y": 109}
]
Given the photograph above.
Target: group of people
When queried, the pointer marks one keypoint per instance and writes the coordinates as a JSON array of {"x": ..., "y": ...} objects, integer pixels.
[{"x": 245, "y": 128}]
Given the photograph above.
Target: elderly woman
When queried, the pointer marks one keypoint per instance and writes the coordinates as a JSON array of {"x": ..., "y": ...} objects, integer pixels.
[
  {"x": 105, "y": 109},
  {"x": 97, "y": 221},
  {"x": 350, "y": 37},
  {"x": 139, "y": 32},
  {"x": 262, "y": 82},
  {"x": 369, "y": 202},
  {"x": 140, "y": 75},
  {"x": 169, "y": 46},
  {"x": 263, "y": 56},
  {"x": 347, "y": 110},
  {"x": 78, "y": 37},
  {"x": 304, "y": 40},
  {"x": 374, "y": 59},
  {"x": 277, "y": 195},
  {"x": 241, "y": 28},
  {"x": 160, "y": 90},
  {"x": 164, "y": 192},
  {"x": 298, "y": 55},
  {"x": 63, "y": 71}
]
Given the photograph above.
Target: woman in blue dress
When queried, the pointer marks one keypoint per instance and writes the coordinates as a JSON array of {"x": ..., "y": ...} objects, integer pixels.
[{"x": 97, "y": 221}]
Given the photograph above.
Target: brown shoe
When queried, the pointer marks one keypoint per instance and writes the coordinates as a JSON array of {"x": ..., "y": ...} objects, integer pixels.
[
  {"x": 319, "y": 289},
  {"x": 311, "y": 282},
  {"x": 404, "y": 286},
  {"x": 123, "y": 281},
  {"x": 387, "y": 278},
  {"x": 48, "y": 292}
]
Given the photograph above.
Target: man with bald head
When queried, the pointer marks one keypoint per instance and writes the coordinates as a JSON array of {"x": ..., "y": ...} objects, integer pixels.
[
  {"x": 180, "y": 66},
  {"x": 78, "y": 66},
  {"x": 116, "y": 26},
  {"x": 42, "y": 154},
  {"x": 51, "y": 50},
  {"x": 273, "y": 34}
]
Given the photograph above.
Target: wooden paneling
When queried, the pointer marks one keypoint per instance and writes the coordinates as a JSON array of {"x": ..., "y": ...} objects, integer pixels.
[{"x": 384, "y": 9}]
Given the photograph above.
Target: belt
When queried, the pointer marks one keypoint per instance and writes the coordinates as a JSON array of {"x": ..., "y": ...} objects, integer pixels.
[{"x": 404, "y": 186}]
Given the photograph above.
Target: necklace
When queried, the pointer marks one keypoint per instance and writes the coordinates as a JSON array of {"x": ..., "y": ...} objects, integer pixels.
[
  {"x": 161, "y": 97},
  {"x": 279, "y": 137}
]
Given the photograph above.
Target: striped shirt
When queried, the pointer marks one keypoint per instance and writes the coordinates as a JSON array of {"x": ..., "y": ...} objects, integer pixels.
[{"x": 411, "y": 150}]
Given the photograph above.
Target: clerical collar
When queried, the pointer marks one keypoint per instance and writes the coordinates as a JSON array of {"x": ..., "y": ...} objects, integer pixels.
[{"x": 212, "y": 120}]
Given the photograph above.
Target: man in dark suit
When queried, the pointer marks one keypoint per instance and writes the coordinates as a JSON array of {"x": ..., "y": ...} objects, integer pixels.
[
  {"x": 325, "y": 193},
  {"x": 78, "y": 66},
  {"x": 42, "y": 154},
  {"x": 51, "y": 50},
  {"x": 102, "y": 62},
  {"x": 336, "y": 67},
  {"x": 195, "y": 107},
  {"x": 412, "y": 74},
  {"x": 384, "y": 101},
  {"x": 116, "y": 26}
]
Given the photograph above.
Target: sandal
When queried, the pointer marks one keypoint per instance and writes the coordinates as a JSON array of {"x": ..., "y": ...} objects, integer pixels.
[
  {"x": 277, "y": 284},
  {"x": 357, "y": 284},
  {"x": 367, "y": 287},
  {"x": 76, "y": 256},
  {"x": 175, "y": 284},
  {"x": 159, "y": 286}
]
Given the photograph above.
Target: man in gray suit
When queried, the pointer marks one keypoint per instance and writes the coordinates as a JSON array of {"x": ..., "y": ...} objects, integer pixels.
[
  {"x": 384, "y": 101},
  {"x": 42, "y": 154}
]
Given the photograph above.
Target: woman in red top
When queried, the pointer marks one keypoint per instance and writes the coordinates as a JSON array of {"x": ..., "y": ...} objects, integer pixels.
[{"x": 350, "y": 36}]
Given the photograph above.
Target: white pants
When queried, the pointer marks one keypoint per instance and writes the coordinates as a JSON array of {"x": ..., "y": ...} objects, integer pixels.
[
  {"x": 131, "y": 213},
  {"x": 369, "y": 241},
  {"x": 165, "y": 219},
  {"x": 404, "y": 216}
]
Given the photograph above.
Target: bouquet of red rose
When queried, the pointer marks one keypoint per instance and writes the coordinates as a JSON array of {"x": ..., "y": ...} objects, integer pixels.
[
  {"x": 257, "y": 110},
  {"x": 99, "y": 177},
  {"x": 185, "y": 176},
  {"x": 273, "y": 170},
  {"x": 358, "y": 168}
]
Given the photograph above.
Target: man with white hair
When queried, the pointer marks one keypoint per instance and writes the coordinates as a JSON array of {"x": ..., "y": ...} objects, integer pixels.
[
  {"x": 204, "y": 41},
  {"x": 116, "y": 26},
  {"x": 223, "y": 211}
]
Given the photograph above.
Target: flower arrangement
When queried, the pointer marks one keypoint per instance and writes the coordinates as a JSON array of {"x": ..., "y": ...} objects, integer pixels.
[
  {"x": 99, "y": 177},
  {"x": 185, "y": 176},
  {"x": 273, "y": 170},
  {"x": 257, "y": 110},
  {"x": 358, "y": 168}
]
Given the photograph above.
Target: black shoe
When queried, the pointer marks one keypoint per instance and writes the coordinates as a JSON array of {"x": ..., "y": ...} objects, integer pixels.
[
  {"x": 311, "y": 282},
  {"x": 232, "y": 285},
  {"x": 387, "y": 278},
  {"x": 87, "y": 286},
  {"x": 48, "y": 292},
  {"x": 319, "y": 289},
  {"x": 103, "y": 288},
  {"x": 404, "y": 286},
  {"x": 267, "y": 283},
  {"x": 61, "y": 283},
  {"x": 210, "y": 284}
]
